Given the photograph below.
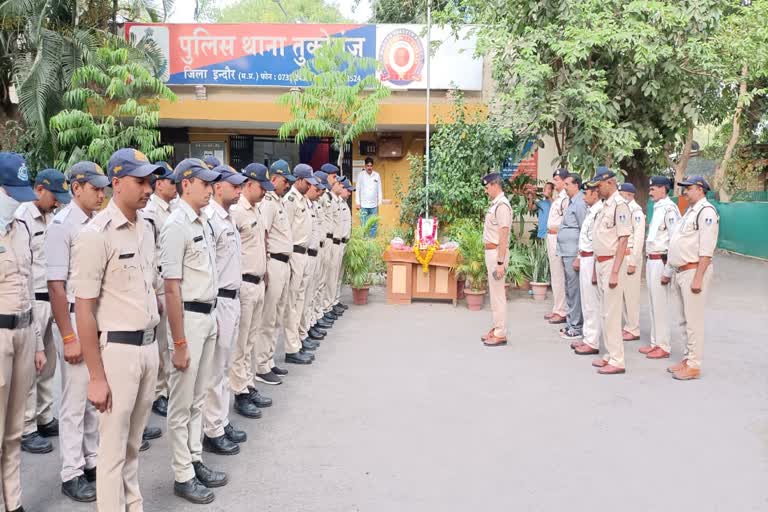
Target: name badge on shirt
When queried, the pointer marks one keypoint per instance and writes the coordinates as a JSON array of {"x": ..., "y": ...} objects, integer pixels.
[
  {"x": 230, "y": 233},
  {"x": 198, "y": 238},
  {"x": 126, "y": 256}
]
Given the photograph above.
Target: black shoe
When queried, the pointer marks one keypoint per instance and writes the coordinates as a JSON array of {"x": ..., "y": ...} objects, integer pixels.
[
  {"x": 209, "y": 477},
  {"x": 79, "y": 489},
  {"x": 35, "y": 443},
  {"x": 151, "y": 433},
  {"x": 269, "y": 378},
  {"x": 319, "y": 330},
  {"x": 50, "y": 429},
  {"x": 234, "y": 435},
  {"x": 90, "y": 475},
  {"x": 342, "y": 306},
  {"x": 244, "y": 407},
  {"x": 193, "y": 491},
  {"x": 220, "y": 445},
  {"x": 310, "y": 355},
  {"x": 329, "y": 317},
  {"x": 314, "y": 335},
  {"x": 308, "y": 345},
  {"x": 279, "y": 371},
  {"x": 20, "y": 509},
  {"x": 160, "y": 406},
  {"x": 323, "y": 324},
  {"x": 258, "y": 399},
  {"x": 297, "y": 358},
  {"x": 337, "y": 311},
  {"x": 144, "y": 446}
]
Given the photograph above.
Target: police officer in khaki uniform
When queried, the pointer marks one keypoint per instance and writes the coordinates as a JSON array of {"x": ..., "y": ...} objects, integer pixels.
[
  {"x": 346, "y": 231},
  {"x": 113, "y": 280},
  {"x": 311, "y": 340},
  {"x": 498, "y": 222},
  {"x": 334, "y": 257},
  {"x": 39, "y": 422},
  {"x": 691, "y": 248},
  {"x": 188, "y": 258},
  {"x": 631, "y": 310},
  {"x": 156, "y": 212},
  {"x": 249, "y": 224},
  {"x": 18, "y": 333},
  {"x": 78, "y": 429},
  {"x": 323, "y": 209},
  {"x": 557, "y": 274},
  {"x": 219, "y": 435},
  {"x": 610, "y": 239},
  {"x": 664, "y": 222}
]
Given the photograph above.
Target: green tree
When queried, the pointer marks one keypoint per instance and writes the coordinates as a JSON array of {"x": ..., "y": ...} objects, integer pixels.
[
  {"x": 113, "y": 103},
  {"x": 270, "y": 11},
  {"x": 339, "y": 97}
]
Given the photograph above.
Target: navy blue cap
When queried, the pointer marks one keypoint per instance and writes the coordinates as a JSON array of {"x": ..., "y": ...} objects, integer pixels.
[
  {"x": 195, "y": 168},
  {"x": 563, "y": 173},
  {"x": 230, "y": 175},
  {"x": 329, "y": 168},
  {"x": 322, "y": 177},
  {"x": 589, "y": 185},
  {"x": 695, "y": 180},
  {"x": 281, "y": 168},
  {"x": 627, "y": 187},
  {"x": 14, "y": 177},
  {"x": 602, "y": 174},
  {"x": 167, "y": 171},
  {"x": 55, "y": 182},
  {"x": 259, "y": 173},
  {"x": 131, "y": 162},
  {"x": 488, "y": 178},
  {"x": 211, "y": 161},
  {"x": 346, "y": 183},
  {"x": 304, "y": 171},
  {"x": 87, "y": 172},
  {"x": 660, "y": 181}
]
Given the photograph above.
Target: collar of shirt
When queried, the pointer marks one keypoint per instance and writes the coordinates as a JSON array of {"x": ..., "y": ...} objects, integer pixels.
[
  {"x": 79, "y": 216},
  {"x": 498, "y": 198},
  {"x": 579, "y": 195},
  {"x": 616, "y": 198},
  {"x": 217, "y": 209},
  {"x": 190, "y": 212},
  {"x": 159, "y": 201},
  {"x": 273, "y": 195},
  {"x": 244, "y": 203},
  {"x": 698, "y": 205},
  {"x": 116, "y": 215},
  {"x": 596, "y": 207},
  {"x": 35, "y": 211},
  {"x": 658, "y": 218}
]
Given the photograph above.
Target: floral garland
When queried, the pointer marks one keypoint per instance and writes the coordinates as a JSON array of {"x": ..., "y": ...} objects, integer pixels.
[{"x": 434, "y": 245}]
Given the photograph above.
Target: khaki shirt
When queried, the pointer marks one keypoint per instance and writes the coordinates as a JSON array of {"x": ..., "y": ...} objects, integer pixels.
[
  {"x": 336, "y": 227},
  {"x": 113, "y": 260},
  {"x": 588, "y": 228},
  {"x": 187, "y": 252},
  {"x": 66, "y": 224},
  {"x": 320, "y": 206},
  {"x": 299, "y": 216},
  {"x": 37, "y": 222},
  {"x": 696, "y": 236},
  {"x": 637, "y": 240},
  {"x": 279, "y": 239},
  {"x": 499, "y": 216},
  {"x": 157, "y": 212},
  {"x": 228, "y": 246},
  {"x": 557, "y": 210},
  {"x": 346, "y": 220},
  {"x": 251, "y": 228},
  {"x": 315, "y": 236},
  {"x": 328, "y": 213},
  {"x": 612, "y": 223},
  {"x": 665, "y": 220}
]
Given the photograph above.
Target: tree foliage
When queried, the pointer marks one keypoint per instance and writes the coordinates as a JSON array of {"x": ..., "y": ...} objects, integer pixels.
[{"x": 271, "y": 11}]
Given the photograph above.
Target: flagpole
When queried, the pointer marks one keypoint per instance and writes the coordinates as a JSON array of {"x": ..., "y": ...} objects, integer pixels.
[{"x": 429, "y": 104}]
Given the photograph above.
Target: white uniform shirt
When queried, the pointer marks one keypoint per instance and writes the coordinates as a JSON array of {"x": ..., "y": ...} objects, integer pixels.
[
  {"x": 368, "y": 189},
  {"x": 37, "y": 223},
  {"x": 67, "y": 223},
  {"x": 585, "y": 235},
  {"x": 226, "y": 238}
]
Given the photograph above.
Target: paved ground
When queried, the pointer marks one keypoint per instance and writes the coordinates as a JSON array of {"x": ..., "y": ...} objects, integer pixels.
[{"x": 405, "y": 410}]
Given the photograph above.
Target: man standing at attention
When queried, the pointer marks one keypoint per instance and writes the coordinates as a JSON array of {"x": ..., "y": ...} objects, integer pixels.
[
  {"x": 368, "y": 196},
  {"x": 631, "y": 312},
  {"x": 555, "y": 218},
  {"x": 568, "y": 249},
  {"x": 498, "y": 222}
]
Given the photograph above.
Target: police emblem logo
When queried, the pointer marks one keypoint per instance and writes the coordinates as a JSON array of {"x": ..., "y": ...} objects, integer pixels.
[
  {"x": 65, "y": 186},
  {"x": 138, "y": 155},
  {"x": 187, "y": 172},
  {"x": 622, "y": 217},
  {"x": 708, "y": 221},
  {"x": 23, "y": 173},
  {"x": 638, "y": 218},
  {"x": 47, "y": 181},
  {"x": 402, "y": 57}
]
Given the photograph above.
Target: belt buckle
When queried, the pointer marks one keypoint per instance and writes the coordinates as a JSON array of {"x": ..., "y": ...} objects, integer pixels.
[{"x": 149, "y": 337}]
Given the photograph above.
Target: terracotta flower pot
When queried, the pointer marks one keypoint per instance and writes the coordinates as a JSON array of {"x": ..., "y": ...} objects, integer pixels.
[
  {"x": 525, "y": 285},
  {"x": 539, "y": 290},
  {"x": 360, "y": 296},
  {"x": 460, "y": 285},
  {"x": 475, "y": 300}
]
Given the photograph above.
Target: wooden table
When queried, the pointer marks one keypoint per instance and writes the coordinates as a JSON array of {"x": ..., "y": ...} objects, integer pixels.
[{"x": 406, "y": 279}]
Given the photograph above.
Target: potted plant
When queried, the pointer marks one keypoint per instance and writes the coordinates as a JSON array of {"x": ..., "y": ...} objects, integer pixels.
[
  {"x": 539, "y": 262},
  {"x": 361, "y": 261},
  {"x": 519, "y": 266},
  {"x": 469, "y": 235}
]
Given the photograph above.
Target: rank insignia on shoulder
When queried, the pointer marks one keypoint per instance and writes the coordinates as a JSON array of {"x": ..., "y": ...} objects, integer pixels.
[{"x": 291, "y": 198}]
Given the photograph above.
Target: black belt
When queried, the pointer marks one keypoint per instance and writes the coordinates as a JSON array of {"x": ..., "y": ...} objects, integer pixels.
[
  {"x": 250, "y": 278},
  {"x": 19, "y": 321},
  {"x": 337, "y": 241},
  {"x": 280, "y": 257},
  {"x": 329, "y": 235},
  {"x": 344, "y": 240},
  {"x": 227, "y": 294},
  {"x": 72, "y": 308},
  {"x": 160, "y": 268},
  {"x": 45, "y": 297},
  {"x": 322, "y": 244},
  {"x": 312, "y": 252},
  {"x": 300, "y": 249},
  {"x": 199, "y": 307},
  {"x": 137, "y": 338}
]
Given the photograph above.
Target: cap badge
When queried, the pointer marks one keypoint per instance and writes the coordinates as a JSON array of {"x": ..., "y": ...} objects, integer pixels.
[
  {"x": 187, "y": 172},
  {"x": 138, "y": 155},
  {"x": 80, "y": 177},
  {"x": 267, "y": 174},
  {"x": 46, "y": 181},
  {"x": 650, "y": 181},
  {"x": 65, "y": 186},
  {"x": 117, "y": 169},
  {"x": 23, "y": 175}
]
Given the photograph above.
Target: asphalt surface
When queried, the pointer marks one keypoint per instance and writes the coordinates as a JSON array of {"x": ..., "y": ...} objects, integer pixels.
[{"x": 405, "y": 410}]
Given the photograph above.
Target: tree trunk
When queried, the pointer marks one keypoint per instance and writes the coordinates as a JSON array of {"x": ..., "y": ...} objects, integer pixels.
[
  {"x": 340, "y": 160},
  {"x": 114, "y": 17},
  {"x": 685, "y": 156},
  {"x": 719, "y": 184},
  {"x": 634, "y": 167}
]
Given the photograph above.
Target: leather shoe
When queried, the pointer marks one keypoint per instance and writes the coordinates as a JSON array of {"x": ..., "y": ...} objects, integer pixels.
[
  {"x": 331, "y": 316},
  {"x": 548, "y": 316},
  {"x": 342, "y": 306},
  {"x": 220, "y": 445},
  {"x": 90, "y": 474},
  {"x": 35, "y": 443},
  {"x": 323, "y": 324},
  {"x": 576, "y": 344},
  {"x": 50, "y": 429},
  {"x": 310, "y": 355},
  {"x": 337, "y": 311},
  {"x": 557, "y": 319},
  {"x": 244, "y": 407},
  {"x": 308, "y": 345},
  {"x": 585, "y": 350},
  {"x": 160, "y": 406},
  {"x": 646, "y": 349},
  {"x": 628, "y": 336},
  {"x": 677, "y": 367},
  {"x": 234, "y": 435},
  {"x": 258, "y": 399},
  {"x": 297, "y": 358},
  {"x": 151, "y": 433},
  {"x": 687, "y": 373},
  {"x": 280, "y": 372},
  {"x": 495, "y": 341},
  {"x": 487, "y": 335},
  {"x": 144, "y": 446},
  {"x": 319, "y": 330},
  {"x": 609, "y": 369},
  {"x": 209, "y": 477},
  {"x": 314, "y": 335},
  {"x": 599, "y": 363},
  {"x": 193, "y": 491},
  {"x": 657, "y": 353},
  {"x": 79, "y": 489}
]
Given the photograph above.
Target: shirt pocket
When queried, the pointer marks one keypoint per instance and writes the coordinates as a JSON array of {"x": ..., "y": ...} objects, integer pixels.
[
  {"x": 125, "y": 270},
  {"x": 197, "y": 257}
]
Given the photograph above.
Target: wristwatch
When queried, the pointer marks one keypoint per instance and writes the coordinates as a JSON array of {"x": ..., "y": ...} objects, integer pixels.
[{"x": 499, "y": 262}]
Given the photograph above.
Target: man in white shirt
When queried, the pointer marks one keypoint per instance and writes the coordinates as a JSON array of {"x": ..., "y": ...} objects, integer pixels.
[{"x": 368, "y": 195}]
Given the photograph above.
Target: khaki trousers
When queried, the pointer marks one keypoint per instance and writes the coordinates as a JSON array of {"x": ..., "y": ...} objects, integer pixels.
[
  {"x": 340, "y": 279},
  {"x": 164, "y": 368},
  {"x": 132, "y": 374},
  {"x": 244, "y": 353},
  {"x": 332, "y": 275},
  {"x": 690, "y": 310},
  {"x": 312, "y": 281},
  {"x": 275, "y": 298},
  {"x": 590, "y": 303},
  {"x": 216, "y": 407},
  {"x": 498, "y": 294},
  {"x": 39, "y": 408},
  {"x": 557, "y": 276},
  {"x": 610, "y": 311},
  {"x": 323, "y": 271},
  {"x": 631, "y": 309},
  {"x": 17, "y": 376},
  {"x": 79, "y": 419},
  {"x": 659, "y": 300},
  {"x": 187, "y": 394},
  {"x": 297, "y": 288}
]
